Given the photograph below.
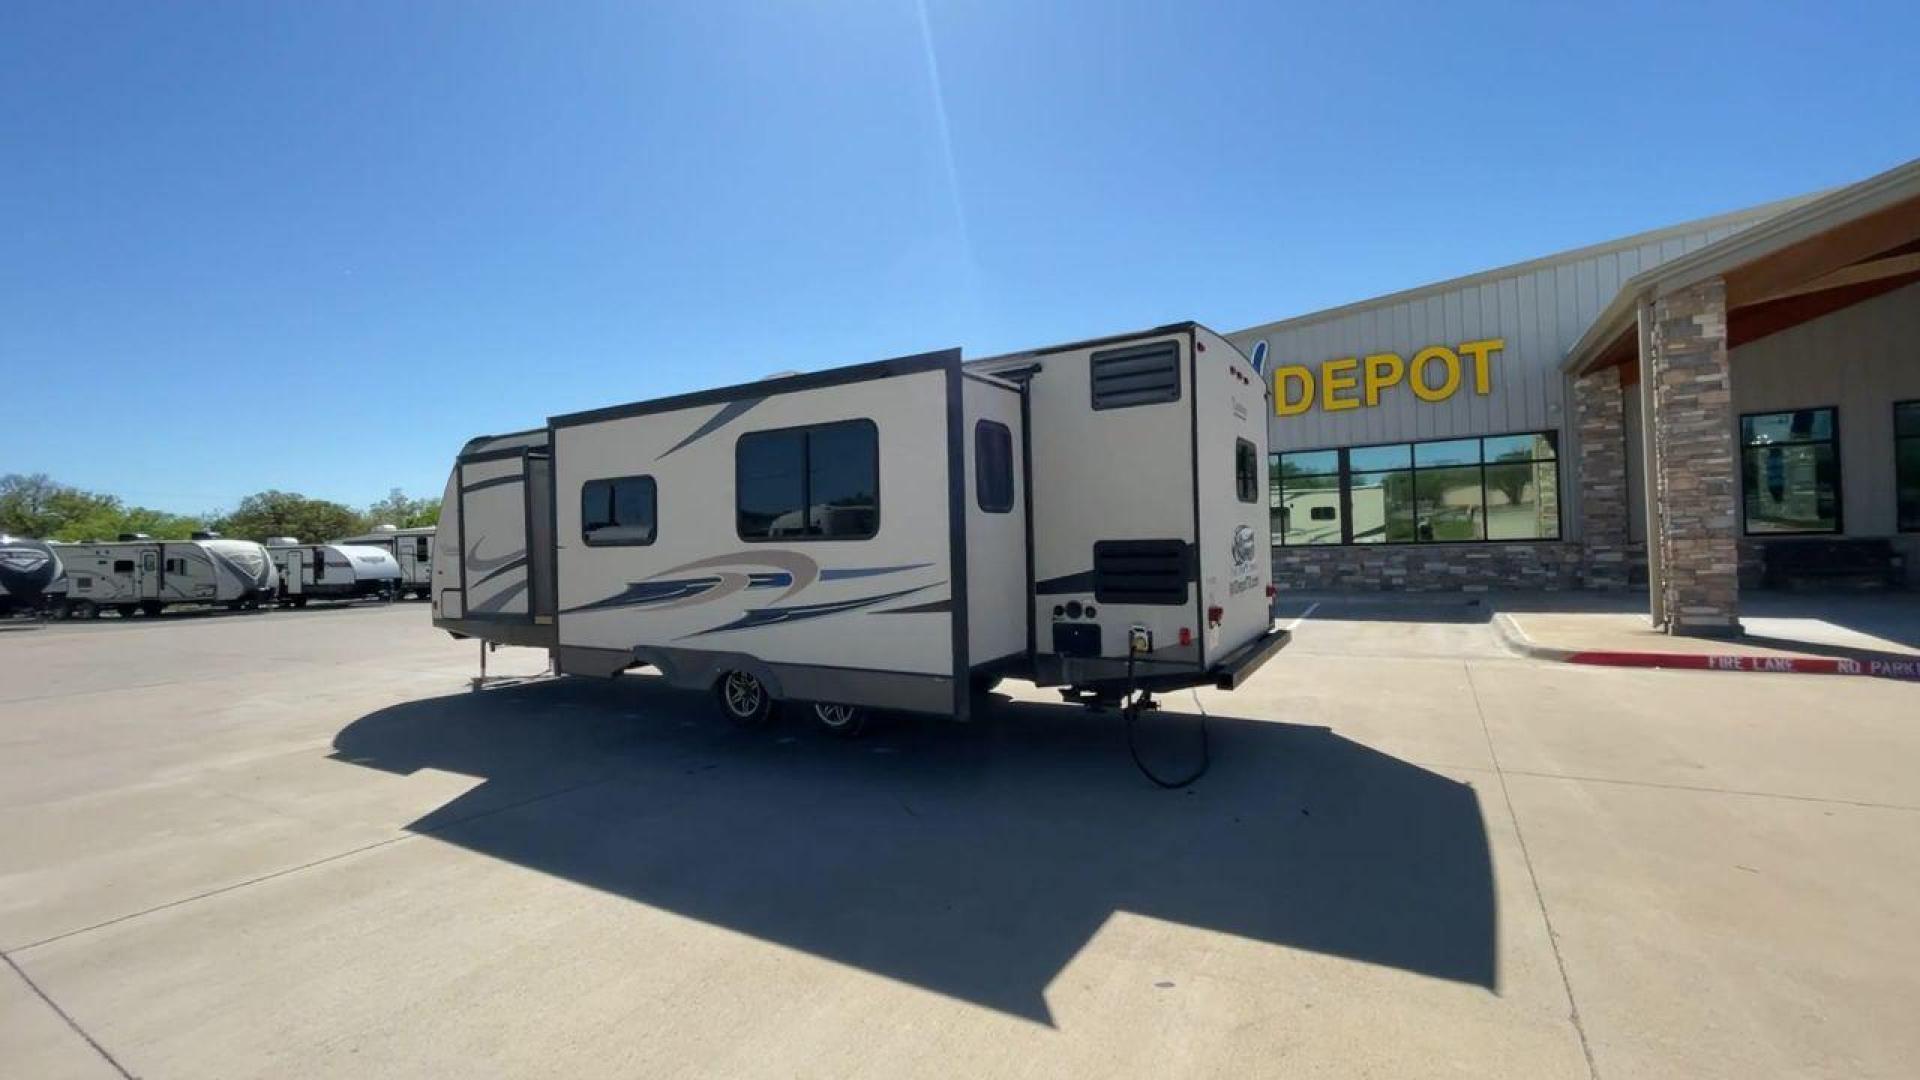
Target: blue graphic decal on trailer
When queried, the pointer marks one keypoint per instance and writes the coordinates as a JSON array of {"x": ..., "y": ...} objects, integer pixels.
[
  {"x": 867, "y": 571},
  {"x": 756, "y": 617}
]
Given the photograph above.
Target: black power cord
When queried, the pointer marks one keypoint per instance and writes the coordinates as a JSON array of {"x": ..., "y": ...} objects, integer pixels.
[{"x": 1130, "y": 708}]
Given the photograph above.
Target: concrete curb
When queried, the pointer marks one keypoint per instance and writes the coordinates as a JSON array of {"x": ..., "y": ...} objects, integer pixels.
[{"x": 1516, "y": 640}]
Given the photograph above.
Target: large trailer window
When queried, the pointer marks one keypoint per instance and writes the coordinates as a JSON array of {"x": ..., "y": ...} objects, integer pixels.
[
  {"x": 1790, "y": 465},
  {"x": 993, "y": 466},
  {"x": 815, "y": 483},
  {"x": 618, "y": 511},
  {"x": 1137, "y": 375}
]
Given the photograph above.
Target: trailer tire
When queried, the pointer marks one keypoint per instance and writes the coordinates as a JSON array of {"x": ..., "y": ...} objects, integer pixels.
[
  {"x": 149, "y": 608},
  {"x": 744, "y": 699},
  {"x": 83, "y": 609},
  {"x": 299, "y": 601},
  {"x": 845, "y": 721}
]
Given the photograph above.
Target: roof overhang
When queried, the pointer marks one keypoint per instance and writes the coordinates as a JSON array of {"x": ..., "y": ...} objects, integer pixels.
[{"x": 1826, "y": 245}]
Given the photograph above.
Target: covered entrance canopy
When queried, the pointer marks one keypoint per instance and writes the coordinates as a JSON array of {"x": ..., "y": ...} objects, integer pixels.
[{"x": 1674, "y": 334}]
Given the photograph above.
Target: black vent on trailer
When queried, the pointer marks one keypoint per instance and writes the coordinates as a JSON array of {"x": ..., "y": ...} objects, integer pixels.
[
  {"x": 1137, "y": 375},
  {"x": 1141, "y": 571}
]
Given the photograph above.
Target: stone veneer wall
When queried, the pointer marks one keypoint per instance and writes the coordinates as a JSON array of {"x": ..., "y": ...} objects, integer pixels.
[
  {"x": 1600, "y": 414},
  {"x": 1546, "y": 565},
  {"x": 1693, "y": 461}
]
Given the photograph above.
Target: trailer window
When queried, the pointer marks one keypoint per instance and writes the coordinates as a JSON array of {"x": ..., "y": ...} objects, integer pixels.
[
  {"x": 1138, "y": 375},
  {"x": 993, "y": 467},
  {"x": 123, "y": 566},
  {"x": 618, "y": 511},
  {"x": 817, "y": 483},
  {"x": 1246, "y": 471}
]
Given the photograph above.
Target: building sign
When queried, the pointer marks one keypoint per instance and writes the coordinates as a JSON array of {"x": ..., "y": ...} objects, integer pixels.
[{"x": 1435, "y": 373}]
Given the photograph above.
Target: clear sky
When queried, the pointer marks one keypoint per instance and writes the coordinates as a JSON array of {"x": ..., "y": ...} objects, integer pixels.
[{"x": 317, "y": 246}]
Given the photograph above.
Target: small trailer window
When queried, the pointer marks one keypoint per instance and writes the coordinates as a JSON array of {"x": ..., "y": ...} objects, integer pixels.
[
  {"x": 123, "y": 566},
  {"x": 1137, "y": 375},
  {"x": 618, "y": 511},
  {"x": 816, "y": 483},
  {"x": 993, "y": 466},
  {"x": 1246, "y": 471}
]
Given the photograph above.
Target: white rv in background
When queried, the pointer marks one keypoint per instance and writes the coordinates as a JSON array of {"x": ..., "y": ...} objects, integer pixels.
[
  {"x": 892, "y": 535},
  {"x": 140, "y": 574},
  {"x": 412, "y": 548},
  {"x": 331, "y": 571}
]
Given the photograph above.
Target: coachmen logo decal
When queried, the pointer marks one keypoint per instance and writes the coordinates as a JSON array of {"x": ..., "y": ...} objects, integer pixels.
[{"x": 1246, "y": 573}]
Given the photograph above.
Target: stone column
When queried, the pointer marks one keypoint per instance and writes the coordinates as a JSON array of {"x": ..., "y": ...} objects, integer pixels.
[
  {"x": 1599, "y": 411},
  {"x": 1694, "y": 466}
]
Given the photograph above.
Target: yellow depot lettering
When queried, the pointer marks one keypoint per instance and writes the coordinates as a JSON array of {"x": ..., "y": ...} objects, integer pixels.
[
  {"x": 1383, "y": 370},
  {"x": 1284, "y": 404},
  {"x": 1338, "y": 375},
  {"x": 1482, "y": 351},
  {"x": 1447, "y": 388}
]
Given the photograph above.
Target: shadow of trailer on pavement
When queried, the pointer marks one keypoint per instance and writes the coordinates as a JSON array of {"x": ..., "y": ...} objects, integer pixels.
[{"x": 971, "y": 860}]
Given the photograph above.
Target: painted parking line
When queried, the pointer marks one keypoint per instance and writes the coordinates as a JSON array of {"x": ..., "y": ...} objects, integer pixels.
[{"x": 1302, "y": 617}]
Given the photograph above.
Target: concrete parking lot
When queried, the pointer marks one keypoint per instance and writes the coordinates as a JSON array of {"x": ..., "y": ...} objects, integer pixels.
[{"x": 296, "y": 844}]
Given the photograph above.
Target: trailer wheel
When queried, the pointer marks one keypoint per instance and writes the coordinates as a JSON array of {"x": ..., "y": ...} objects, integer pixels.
[
  {"x": 149, "y": 608},
  {"x": 846, "y": 721},
  {"x": 82, "y": 609},
  {"x": 299, "y": 601},
  {"x": 744, "y": 699}
]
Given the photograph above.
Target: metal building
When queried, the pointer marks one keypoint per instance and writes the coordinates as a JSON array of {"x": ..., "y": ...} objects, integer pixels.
[{"x": 1485, "y": 432}]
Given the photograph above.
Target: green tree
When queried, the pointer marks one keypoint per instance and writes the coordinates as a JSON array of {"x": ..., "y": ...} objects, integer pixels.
[
  {"x": 402, "y": 512},
  {"x": 35, "y": 505},
  {"x": 286, "y": 513}
]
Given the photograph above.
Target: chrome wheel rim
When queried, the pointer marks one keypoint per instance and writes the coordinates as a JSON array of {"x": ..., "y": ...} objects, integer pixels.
[
  {"x": 743, "y": 694},
  {"x": 834, "y": 716}
]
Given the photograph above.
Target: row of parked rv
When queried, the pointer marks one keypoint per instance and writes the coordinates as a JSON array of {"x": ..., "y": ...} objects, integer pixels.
[{"x": 138, "y": 574}]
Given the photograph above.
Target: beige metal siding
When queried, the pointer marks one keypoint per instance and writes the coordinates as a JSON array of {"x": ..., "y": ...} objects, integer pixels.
[{"x": 1539, "y": 309}]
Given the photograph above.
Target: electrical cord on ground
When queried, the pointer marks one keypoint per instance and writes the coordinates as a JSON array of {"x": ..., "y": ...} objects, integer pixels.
[{"x": 1130, "y": 708}]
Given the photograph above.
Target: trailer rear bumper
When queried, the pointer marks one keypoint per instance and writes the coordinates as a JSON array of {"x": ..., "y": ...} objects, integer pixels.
[{"x": 1239, "y": 665}]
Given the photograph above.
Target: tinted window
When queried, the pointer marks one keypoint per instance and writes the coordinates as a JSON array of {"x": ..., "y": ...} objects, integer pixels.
[
  {"x": 1790, "y": 472},
  {"x": 993, "y": 467},
  {"x": 1246, "y": 471},
  {"x": 1906, "y": 464},
  {"x": 123, "y": 566},
  {"x": 618, "y": 511},
  {"x": 819, "y": 482}
]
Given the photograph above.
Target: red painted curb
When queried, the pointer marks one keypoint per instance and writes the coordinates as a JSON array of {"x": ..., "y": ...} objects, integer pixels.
[{"x": 1799, "y": 665}]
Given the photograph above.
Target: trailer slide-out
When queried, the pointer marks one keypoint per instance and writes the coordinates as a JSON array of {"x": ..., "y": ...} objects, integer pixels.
[{"x": 891, "y": 535}]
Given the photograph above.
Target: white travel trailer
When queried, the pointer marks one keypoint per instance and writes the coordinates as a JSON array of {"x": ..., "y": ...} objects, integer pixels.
[
  {"x": 28, "y": 571},
  {"x": 411, "y": 548},
  {"x": 139, "y": 574},
  {"x": 890, "y": 535},
  {"x": 331, "y": 571}
]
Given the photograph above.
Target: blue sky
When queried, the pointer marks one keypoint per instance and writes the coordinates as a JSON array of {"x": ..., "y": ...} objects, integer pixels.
[{"x": 318, "y": 246}]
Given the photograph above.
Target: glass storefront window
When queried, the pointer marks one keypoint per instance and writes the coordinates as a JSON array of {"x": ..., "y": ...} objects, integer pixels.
[
  {"x": 1306, "y": 506},
  {"x": 1451, "y": 452},
  {"x": 1503, "y": 487},
  {"x": 1790, "y": 472}
]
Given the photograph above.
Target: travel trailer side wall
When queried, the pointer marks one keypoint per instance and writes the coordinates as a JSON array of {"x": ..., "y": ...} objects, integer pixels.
[
  {"x": 889, "y": 535},
  {"x": 412, "y": 550}
]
